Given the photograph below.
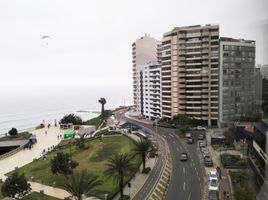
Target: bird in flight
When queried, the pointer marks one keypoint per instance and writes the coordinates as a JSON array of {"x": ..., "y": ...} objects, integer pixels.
[{"x": 46, "y": 36}]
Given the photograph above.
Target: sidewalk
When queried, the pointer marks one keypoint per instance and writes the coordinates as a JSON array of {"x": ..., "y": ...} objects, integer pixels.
[
  {"x": 225, "y": 182},
  {"x": 138, "y": 181},
  {"x": 23, "y": 157},
  {"x": 48, "y": 190}
]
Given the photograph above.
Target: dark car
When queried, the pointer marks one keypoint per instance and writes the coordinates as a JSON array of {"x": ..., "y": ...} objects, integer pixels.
[
  {"x": 213, "y": 195},
  {"x": 208, "y": 161},
  {"x": 190, "y": 140},
  {"x": 184, "y": 157}
]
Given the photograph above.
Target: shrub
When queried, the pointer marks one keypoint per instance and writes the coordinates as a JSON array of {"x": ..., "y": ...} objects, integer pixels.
[
  {"x": 71, "y": 118},
  {"x": 13, "y": 132},
  {"x": 146, "y": 170}
]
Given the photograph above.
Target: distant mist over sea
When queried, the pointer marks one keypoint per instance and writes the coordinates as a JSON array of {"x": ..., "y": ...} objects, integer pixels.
[{"x": 27, "y": 108}]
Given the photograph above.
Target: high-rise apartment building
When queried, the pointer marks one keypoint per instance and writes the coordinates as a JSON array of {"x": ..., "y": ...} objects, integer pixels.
[
  {"x": 190, "y": 70},
  {"x": 149, "y": 85},
  {"x": 237, "y": 87},
  {"x": 144, "y": 50}
]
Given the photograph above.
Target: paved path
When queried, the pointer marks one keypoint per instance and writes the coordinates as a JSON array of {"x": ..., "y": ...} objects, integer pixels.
[
  {"x": 48, "y": 190},
  {"x": 23, "y": 157}
]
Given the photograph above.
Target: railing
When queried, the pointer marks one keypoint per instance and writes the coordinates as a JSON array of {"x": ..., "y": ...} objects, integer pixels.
[{"x": 11, "y": 152}]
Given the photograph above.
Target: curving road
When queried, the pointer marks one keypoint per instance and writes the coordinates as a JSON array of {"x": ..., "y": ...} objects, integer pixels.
[{"x": 186, "y": 181}]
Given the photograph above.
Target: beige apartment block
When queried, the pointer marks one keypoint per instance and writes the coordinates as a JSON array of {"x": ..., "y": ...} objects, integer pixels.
[
  {"x": 144, "y": 50},
  {"x": 190, "y": 73}
]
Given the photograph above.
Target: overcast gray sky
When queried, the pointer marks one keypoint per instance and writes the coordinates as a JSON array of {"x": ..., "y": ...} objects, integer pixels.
[{"x": 91, "y": 40}]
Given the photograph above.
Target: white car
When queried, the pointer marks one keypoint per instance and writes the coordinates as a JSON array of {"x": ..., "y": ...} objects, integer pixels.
[
  {"x": 200, "y": 128},
  {"x": 213, "y": 185},
  {"x": 212, "y": 175}
]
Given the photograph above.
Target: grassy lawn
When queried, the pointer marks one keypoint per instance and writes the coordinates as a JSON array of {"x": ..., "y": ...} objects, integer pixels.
[
  {"x": 94, "y": 121},
  {"x": 92, "y": 159},
  {"x": 20, "y": 136},
  {"x": 38, "y": 196}
]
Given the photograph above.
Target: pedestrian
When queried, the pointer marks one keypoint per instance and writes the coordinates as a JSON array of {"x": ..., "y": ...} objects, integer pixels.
[
  {"x": 224, "y": 194},
  {"x": 45, "y": 132},
  {"x": 227, "y": 195},
  {"x": 58, "y": 137}
]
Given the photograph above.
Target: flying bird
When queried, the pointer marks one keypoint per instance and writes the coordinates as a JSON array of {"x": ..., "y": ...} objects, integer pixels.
[{"x": 46, "y": 36}]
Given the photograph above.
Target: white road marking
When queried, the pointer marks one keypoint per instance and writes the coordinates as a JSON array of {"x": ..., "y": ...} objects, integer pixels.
[
  {"x": 189, "y": 196},
  {"x": 184, "y": 186},
  {"x": 184, "y": 170},
  {"x": 171, "y": 135}
]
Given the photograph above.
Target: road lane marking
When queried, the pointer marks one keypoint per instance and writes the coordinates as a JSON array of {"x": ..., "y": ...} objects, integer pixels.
[
  {"x": 189, "y": 196},
  {"x": 184, "y": 186},
  {"x": 171, "y": 135},
  {"x": 184, "y": 170}
]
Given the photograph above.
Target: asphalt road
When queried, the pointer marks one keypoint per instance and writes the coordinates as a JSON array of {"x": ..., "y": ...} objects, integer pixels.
[{"x": 186, "y": 181}]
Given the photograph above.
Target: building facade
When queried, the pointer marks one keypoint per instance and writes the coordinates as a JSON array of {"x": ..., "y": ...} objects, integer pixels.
[
  {"x": 144, "y": 50},
  {"x": 190, "y": 70},
  {"x": 149, "y": 83},
  {"x": 237, "y": 86}
]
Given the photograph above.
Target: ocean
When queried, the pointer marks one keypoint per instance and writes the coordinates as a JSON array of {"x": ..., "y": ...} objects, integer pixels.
[{"x": 27, "y": 109}]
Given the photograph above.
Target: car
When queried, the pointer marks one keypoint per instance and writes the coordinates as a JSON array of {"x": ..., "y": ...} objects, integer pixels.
[
  {"x": 205, "y": 153},
  {"x": 208, "y": 161},
  {"x": 213, "y": 195},
  {"x": 188, "y": 135},
  {"x": 190, "y": 140},
  {"x": 201, "y": 145},
  {"x": 213, "y": 184},
  {"x": 200, "y": 128},
  {"x": 184, "y": 156},
  {"x": 202, "y": 149},
  {"x": 201, "y": 136},
  {"x": 212, "y": 175}
]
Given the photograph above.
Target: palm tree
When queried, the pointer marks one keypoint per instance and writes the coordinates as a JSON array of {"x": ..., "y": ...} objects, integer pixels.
[
  {"x": 82, "y": 183},
  {"x": 102, "y": 101},
  {"x": 120, "y": 166},
  {"x": 143, "y": 148}
]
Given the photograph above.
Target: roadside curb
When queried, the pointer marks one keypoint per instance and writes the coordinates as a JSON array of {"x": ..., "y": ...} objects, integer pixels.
[
  {"x": 163, "y": 183},
  {"x": 145, "y": 179}
]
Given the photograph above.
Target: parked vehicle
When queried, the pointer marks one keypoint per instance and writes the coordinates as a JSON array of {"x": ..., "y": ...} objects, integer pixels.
[
  {"x": 200, "y": 128},
  {"x": 205, "y": 153},
  {"x": 201, "y": 136},
  {"x": 202, "y": 149},
  {"x": 188, "y": 135},
  {"x": 184, "y": 157},
  {"x": 212, "y": 175},
  {"x": 213, "y": 184},
  {"x": 208, "y": 161},
  {"x": 213, "y": 195},
  {"x": 190, "y": 140},
  {"x": 201, "y": 145}
]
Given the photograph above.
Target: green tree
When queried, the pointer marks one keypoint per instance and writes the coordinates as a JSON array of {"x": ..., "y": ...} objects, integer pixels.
[
  {"x": 82, "y": 183},
  {"x": 16, "y": 186},
  {"x": 62, "y": 164},
  {"x": 102, "y": 101},
  {"x": 71, "y": 118},
  {"x": 119, "y": 167},
  {"x": 229, "y": 137},
  {"x": 143, "y": 148},
  {"x": 13, "y": 132}
]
